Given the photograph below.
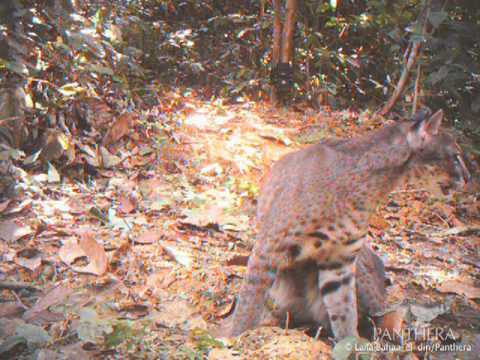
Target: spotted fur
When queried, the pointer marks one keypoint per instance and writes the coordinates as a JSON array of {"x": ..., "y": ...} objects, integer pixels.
[{"x": 310, "y": 259}]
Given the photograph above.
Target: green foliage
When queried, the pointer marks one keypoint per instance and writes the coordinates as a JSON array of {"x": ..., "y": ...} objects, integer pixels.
[
  {"x": 354, "y": 50},
  {"x": 454, "y": 64},
  {"x": 202, "y": 343},
  {"x": 207, "y": 43},
  {"x": 91, "y": 328},
  {"x": 70, "y": 60},
  {"x": 109, "y": 332}
]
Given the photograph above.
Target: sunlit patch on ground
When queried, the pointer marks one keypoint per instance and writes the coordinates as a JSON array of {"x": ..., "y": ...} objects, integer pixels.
[{"x": 170, "y": 235}]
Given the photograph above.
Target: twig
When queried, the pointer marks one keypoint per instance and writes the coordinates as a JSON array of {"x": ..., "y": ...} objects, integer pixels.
[
  {"x": 19, "y": 301},
  {"x": 44, "y": 82},
  {"x": 408, "y": 191},
  {"x": 417, "y": 90},
  {"x": 406, "y": 53},
  {"x": 10, "y": 285},
  {"x": 403, "y": 78},
  {"x": 412, "y": 58},
  {"x": 442, "y": 219},
  {"x": 459, "y": 231}
]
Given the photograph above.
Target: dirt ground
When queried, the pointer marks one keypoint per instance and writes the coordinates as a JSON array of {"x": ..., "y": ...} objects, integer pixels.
[{"x": 145, "y": 259}]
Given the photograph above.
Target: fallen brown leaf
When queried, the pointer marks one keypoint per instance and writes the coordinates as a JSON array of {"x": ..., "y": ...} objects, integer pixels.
[
  {"x": 461, "y": 287},
  {"x": 88, "y": 247},
  {"x": 23, "y": 206},
  {"x": 162, "y": 279},
  {"x": 11, "y": 232},
  {"x": 119, "y": 129},
  {"x": 135, "y": 311},
  {"x": 173, "y": 313},
  {"x": 108, "y": 160},
  {"x": 127, "y": 203},
  {"x": 379, "y": 222},
  {"x": 29, "y": 258},
  {"x": 4, "y": 205},
  {"x": 226, "y": 311},
  {"x": 180, "y": 256},
  {"x": 239, "y": 260},
  {"x": 10, "y": 309},
  {"x": 56, "y": 296},
  {"x": 148, "y": 237}
]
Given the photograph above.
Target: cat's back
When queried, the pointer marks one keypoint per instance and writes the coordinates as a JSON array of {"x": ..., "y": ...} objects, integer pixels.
[{"x": 300, "y": 180}]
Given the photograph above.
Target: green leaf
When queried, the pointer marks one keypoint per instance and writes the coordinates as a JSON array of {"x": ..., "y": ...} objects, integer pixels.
[
  {"x": 204, "y": 341},
  {"x": 121, "y": 331},
  {"x": 91, "y": 328}
]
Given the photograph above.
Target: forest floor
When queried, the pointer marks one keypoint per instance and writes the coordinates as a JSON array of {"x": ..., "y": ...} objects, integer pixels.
[{"x": 145, "y": 259}]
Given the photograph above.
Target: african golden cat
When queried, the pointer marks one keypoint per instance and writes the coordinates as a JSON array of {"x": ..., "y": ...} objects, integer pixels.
[{"x": 310, "y": 259}]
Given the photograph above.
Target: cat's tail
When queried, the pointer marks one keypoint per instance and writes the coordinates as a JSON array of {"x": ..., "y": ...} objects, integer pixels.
[{"x": 253, "y": 305}]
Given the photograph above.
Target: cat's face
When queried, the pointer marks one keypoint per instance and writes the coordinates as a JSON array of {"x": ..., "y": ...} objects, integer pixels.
[{"x": 436, "y": 152}]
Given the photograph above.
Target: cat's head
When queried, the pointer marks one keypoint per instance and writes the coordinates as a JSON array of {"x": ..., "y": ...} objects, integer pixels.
[{"x": 436, "y": 152}]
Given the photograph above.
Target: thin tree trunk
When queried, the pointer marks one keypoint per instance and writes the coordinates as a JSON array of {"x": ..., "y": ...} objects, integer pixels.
[
  {"x": 402, "y": 83},
  {"x": 13, "y": 49},
  {"x": 276, "y": 49},
  {"x": 282, "y": 53},
  {"x": 412, "y": 58},
  {"x": 286, "y": 55},
  {"x": 417, "y": 90},
  {"x": 261, "y": 34},
  {"x": 277, "y": 31}
]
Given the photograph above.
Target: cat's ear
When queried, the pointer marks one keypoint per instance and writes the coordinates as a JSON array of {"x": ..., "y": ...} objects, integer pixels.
[
  {"x": 424, "y": 129},
  {"x": 431, "y": 125}
]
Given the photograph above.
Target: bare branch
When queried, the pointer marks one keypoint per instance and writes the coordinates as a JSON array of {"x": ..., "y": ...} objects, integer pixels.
[{"x": 412, "y": 58}]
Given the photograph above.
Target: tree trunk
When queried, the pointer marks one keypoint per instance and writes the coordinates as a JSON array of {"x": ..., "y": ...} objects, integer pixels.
[
  {"x": 282, "y": 52},
  {"x": 277, "y": 39},
  {"x": 261, "y": 33},
  {"x": 286, "y": 55},
  {"x": 12, "y": 95},
  {"x": 277, "y": 31}
]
